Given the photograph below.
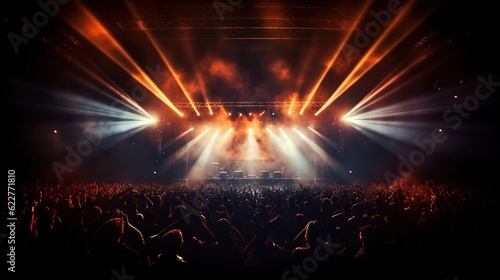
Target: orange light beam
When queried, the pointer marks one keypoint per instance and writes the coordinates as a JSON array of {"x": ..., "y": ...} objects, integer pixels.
[
  {"x": 204, "y": 91},
  {"x": 200, "y": 79},
  {"x": 174, "y": 74},
  {"x": 382, "y": 86},
  {"x": 329, "y": 65},
  {"x": 397, "y": 30},
  {"x": 167, "y": 63},
  {"x": 94, "y": 31},
  {"x": 364, "y": 102}
]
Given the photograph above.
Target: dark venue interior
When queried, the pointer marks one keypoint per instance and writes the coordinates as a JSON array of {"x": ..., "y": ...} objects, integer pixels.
[{"x": 235, "y": 139}]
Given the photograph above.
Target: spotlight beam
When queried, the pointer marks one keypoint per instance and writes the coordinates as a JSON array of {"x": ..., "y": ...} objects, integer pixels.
[
  {"x": 390, "y": 38},
  {"x": 94, "y": 31},
  {"x": 390, "y": 80},
  {"x": 322, "y": 154},
  {"x": 198, "y": 168},
  {"x": 326, "y": 139},
  {"x": 329, "y": 64},
  {"x": 167, "y": 63},
  {"x": 79, "y": 105},
  {"x": 417, "y": 106},
  {"x": 124, "y": 98},
  {"x": 177, "y": 138},
  {"x": 177, "y": 155},
  {"x": 397, "y": 124},
  {"x": 290, "y": 148}
]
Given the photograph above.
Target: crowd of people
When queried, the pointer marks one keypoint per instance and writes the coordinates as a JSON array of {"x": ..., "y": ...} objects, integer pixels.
[{"x": 253, "y": 231}]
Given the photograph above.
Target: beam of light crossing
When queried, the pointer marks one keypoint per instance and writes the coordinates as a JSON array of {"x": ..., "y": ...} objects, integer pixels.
[
  {"x": 124, "y": 99},
  {"x": 330, "y": 63},
  {"x": 396, "y": 88},
  {"x": 382, "y": 139},
  {"x": 390, "y": 80},
  {"x": 95, "y": 32},
  {"x": 167, "y": 63},
  {"x": 417, "y": 106},
  {"x": 178, "y": 154},
  {"x": 395, "y": 32},
  {"x": 394, "y": 125}
]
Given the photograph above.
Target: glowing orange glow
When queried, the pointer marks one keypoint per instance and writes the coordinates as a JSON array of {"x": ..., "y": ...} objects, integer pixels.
[
  {"x": 280, "y": 70},
  {"x": 221, "y": 69}
]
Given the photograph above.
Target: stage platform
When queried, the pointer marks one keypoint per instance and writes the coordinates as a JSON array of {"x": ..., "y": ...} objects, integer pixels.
[{"x": 255, "y": 181}]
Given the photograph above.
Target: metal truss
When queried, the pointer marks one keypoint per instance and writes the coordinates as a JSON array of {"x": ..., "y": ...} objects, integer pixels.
[
  {"x": 243, "y": 21},
  {"x": 247, "y": 104}
]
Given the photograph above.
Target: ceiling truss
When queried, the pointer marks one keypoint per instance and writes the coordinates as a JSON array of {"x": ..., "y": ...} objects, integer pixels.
[
  {"x": 247, "y": 104},
  {"x": 241, "y": 22}
]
